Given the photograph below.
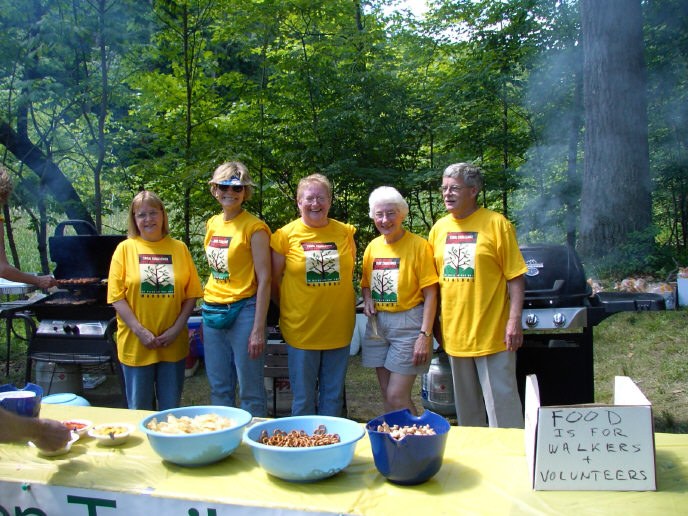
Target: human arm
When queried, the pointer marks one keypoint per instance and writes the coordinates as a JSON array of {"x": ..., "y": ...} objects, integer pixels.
[
  {"x": 260, "y": 250},
  {"x": 170, "y": 334},
  {"x": 368, "y": 303},
  {"x": 127, "y": 315},
  {"x": 11, "y": 273},
  {"x": 422, "y": 350},
  {"x": 513, "y": 336},
  {"x": 47, "y": 434},
  {"x": 278, "y": 263}
]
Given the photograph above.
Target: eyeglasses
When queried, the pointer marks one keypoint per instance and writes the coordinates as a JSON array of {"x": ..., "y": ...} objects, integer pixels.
[
  {"x": 452, "y": 189},
  {"x": 235, "y": 188},
  {"x": 152, "y": 214},
  {"x": 390, "y": 214},
  {"x": 310, "y": 199}
]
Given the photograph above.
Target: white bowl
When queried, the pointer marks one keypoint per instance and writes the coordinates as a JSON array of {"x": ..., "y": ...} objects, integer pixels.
[
  {"x": 111, "y": 434},
  {"x": 79, "y": 426},
  {"x": 58, "y": 452}
]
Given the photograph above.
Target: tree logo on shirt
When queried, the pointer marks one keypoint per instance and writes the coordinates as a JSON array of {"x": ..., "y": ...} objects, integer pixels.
[
  {"x": 322, "y": 263},
  {"x": 157, "y": 274},
  {"x": 459, "y": 255},
  {"x": 385, "y": 280},
  {"x": 216, "y": 254}
]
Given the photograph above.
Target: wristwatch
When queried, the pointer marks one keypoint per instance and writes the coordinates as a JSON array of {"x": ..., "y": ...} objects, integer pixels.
[{"x": 426, "y": 333}]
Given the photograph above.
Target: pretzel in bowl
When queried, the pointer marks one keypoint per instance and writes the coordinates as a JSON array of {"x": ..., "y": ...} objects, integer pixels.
[{"x": 298, "y": 438}]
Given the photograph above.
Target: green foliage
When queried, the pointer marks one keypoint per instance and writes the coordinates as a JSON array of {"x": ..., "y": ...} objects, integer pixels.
[
  {"x": 293, "y": 88},
  {"x": 639, "y": 256}
]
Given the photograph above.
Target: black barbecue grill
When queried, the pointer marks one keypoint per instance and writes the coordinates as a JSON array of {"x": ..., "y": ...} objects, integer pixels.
[
  {"x": 559, "y": 313},
  {"x": 75, "y": 324}
]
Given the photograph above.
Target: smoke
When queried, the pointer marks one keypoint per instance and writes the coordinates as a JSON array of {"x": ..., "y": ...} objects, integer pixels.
[{"x": 549, "y": 198}]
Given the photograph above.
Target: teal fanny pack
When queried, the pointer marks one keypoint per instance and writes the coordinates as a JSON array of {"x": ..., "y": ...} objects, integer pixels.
[{"x": 221, "y": 316}]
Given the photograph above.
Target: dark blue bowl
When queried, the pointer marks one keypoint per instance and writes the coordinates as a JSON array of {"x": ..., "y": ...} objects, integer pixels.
[
  {"x": 413, "y": 459},
  {"x": 24, "y": 402}
]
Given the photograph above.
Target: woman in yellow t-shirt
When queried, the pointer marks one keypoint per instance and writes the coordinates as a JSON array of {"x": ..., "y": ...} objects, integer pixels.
[
  {"x": 312, "y": 270},
  {"x": 153, "y": 285},
  {"x": 399, "y": 285},
  {"x": 237, "y": 294},
  {"x": 8, "y": 271}
]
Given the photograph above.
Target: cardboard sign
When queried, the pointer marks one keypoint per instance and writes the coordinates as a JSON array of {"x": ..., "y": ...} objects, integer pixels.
[{"x": 591, "y": 447}]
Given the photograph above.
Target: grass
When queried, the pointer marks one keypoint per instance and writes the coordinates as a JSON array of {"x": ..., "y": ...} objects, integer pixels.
[{"x": 652, "y": 349}]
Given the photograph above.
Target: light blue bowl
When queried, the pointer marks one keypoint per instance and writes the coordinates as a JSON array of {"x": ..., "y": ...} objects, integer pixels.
[
  {"x": 200, "y": 448},
  {"x": 305, "y": 464},
  {"x": 66, "y": 398}
]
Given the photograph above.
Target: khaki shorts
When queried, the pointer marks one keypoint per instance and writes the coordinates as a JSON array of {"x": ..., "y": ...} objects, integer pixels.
[{"x": 393, "y": 350}]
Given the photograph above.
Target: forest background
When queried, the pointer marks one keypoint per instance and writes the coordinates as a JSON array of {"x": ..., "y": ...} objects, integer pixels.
[{"x": 102, "y": 98}]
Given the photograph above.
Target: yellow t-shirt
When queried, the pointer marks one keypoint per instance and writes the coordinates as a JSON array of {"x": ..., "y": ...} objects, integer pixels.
[
  {"x": 317, "y": 306},
  {"x": 475, "y": 257},
  {"x": 396, "y": 273},
  {"x": 155, "y": 278},
  {"x": 228, "y": 251}
]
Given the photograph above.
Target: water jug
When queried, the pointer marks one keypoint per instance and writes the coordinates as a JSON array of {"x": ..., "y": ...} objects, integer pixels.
[{"x": 437, "y": 388}]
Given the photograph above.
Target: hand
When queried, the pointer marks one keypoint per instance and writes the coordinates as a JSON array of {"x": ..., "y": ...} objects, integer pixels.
[
  {"x": 45, "y": 282},
  {"x": 147, "y": 338},
  {"x": 421, "y": 350},
  {"x": 514, "y": 334},
  {"x": 368, "y": 307},
  {"x": 50, "y": 435},
  {"x": 256, "y": 343}
]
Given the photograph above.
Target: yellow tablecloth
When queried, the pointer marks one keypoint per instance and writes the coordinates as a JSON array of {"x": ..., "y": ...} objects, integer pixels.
[{"x": 484, "y": 472}]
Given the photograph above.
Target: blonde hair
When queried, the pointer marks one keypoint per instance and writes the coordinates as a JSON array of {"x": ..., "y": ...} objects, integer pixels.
[
  {"x": 229, "y": 170},
  {"x": 146, "y": 196},
  {"x": 6, "y": 186},
  {"x": 317, "y": 179}
]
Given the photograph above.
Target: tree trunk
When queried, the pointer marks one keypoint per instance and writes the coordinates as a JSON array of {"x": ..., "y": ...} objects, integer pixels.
[
  {"x": 51, "y": 176},
  {"x": 615, "y": 200},
  {"x": 572, "y": 160}
]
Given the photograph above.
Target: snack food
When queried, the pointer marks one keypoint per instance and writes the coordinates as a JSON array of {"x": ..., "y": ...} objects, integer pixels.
[
  {"x": 187, "y": 425},
  {"x": 298, "y": 439},
  {"x": 111, "y": 431},
  {"x": 79, "y": 426},
  {"x": 399, "y": 432}
]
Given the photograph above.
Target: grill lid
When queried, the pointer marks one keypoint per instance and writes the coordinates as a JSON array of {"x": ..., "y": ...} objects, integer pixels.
[
  {"x": 555, "y": 276},
  {"x": 84, "y": 255}
]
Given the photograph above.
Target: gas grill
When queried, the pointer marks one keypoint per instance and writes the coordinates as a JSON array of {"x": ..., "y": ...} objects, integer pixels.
[
  {"x": 75, "y": 324},
  {"x": 559, "y": 313}
]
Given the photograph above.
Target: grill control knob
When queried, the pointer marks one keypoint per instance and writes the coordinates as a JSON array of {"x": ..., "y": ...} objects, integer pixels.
[
  {"x": 531, "y": 320},
  {"x": 70, "y": 328},
  {"x": 559, "y": 319}
]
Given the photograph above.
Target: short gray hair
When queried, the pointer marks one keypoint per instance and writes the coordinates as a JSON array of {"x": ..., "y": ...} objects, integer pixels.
[
  {"x": 470, "y": 174},
  {"x": 387, "y": 195}
]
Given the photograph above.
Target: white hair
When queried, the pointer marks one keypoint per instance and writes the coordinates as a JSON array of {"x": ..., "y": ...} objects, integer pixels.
[{"x": 387, "y": 195}]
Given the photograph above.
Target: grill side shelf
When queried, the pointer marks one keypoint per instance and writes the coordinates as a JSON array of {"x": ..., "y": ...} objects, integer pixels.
[{"x": 610, "y": 303}]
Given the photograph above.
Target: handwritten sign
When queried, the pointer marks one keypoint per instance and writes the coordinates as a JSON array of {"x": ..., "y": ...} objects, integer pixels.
[{"x": 593, "y": 447}]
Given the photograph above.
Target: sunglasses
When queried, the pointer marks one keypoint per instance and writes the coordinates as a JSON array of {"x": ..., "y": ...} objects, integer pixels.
[{"x": 235, "y": 188}]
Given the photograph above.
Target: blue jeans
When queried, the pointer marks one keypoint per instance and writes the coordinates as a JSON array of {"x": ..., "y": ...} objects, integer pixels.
[
  {"x": 317, "y": 380},
  {"x": 162, "y": 381},
  {"x": 227, "y": 360}
]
